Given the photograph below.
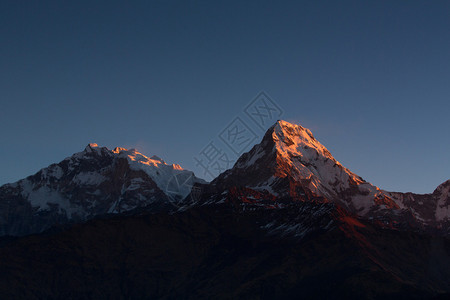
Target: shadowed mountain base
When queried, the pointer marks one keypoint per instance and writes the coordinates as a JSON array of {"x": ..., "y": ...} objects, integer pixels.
[{"x": 209, "y": 251}]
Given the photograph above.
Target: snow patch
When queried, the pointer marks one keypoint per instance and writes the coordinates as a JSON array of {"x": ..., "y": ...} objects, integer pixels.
[{"x": 89, "y": 178}]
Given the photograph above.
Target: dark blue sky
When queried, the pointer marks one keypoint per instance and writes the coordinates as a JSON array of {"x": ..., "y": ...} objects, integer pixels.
[{"x": 371, "y": 79}]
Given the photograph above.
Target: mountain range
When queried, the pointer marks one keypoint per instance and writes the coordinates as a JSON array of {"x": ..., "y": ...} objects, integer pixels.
[{"x": 286, "y": 221}]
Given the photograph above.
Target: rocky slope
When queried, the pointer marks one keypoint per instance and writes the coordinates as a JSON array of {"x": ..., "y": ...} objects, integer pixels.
[{"x": 431, "y": 210}]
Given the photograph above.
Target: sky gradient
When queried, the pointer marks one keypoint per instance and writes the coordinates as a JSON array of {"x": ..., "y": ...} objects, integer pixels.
[{"x": 371, "y": 79}]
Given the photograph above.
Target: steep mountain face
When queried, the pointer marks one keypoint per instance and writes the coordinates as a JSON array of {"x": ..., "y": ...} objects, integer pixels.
[
  {"x": 93, "y": 182},
  {"x": 291, "y": 164}
]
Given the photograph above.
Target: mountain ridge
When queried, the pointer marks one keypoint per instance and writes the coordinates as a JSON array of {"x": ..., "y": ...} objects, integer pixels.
[
  {"x": 286, "y": 221},
  {"x": 289, "y": 164}
]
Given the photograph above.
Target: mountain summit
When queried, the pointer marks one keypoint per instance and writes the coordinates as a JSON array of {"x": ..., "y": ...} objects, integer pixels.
[
  {"x": 290, "y": 154},
  {"x": 290, "y": 163}
]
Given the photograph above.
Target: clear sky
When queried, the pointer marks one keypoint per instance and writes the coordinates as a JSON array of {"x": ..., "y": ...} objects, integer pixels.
[{"x": 371, "y": 79}]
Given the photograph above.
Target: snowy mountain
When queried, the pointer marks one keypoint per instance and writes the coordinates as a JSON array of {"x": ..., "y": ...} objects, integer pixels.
[
  {"x": 93, "y": 182},
  {"x": 287, "y": 220},
  {"x": 291, "y": 165}
]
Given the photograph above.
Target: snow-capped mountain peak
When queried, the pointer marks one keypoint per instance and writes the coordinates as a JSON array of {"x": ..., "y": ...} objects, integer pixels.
[
  {"x": 293, "y": 140},
  {"x": 117, "y": 150},
  {"x": 291, "y": 162},
  {"x": 92, "y": 182},
  {"x": 91, "y": 147},
  {"x": 288, "y": 135},
  {"x": 172, "y": 179},
  {"x": 297, "y": 146},
  {"x": 165, "y": 175}
]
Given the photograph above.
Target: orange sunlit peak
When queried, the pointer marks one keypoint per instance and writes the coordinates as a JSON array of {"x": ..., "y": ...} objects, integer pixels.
[{"x": 119, "y": 149}]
